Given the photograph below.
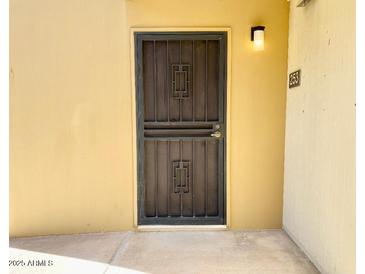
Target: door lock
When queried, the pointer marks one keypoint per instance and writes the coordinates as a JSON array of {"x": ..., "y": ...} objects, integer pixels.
[{"x": 216, "y": 134}]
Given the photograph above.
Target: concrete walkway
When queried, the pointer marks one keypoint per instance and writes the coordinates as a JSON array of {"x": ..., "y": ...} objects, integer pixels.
[{"x": 251, "y": 252}]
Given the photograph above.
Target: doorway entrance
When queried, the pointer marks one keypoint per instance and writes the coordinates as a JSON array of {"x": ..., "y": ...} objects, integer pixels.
[{"x": 181, "y": 127}]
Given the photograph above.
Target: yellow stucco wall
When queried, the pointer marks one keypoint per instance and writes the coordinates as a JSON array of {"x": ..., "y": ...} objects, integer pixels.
[{"x": 71, "y": 142}]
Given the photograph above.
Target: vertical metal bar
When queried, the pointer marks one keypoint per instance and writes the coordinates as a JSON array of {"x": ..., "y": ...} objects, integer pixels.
[
  {"x": 193, "y": 82},
  {"x": 193, "y": 176},
  {"x": 180, "y": 100},
  {"x": 166, "y": 76},
  {"x": 155, "y": 79},
  {"x": 180, "y": 151},
  {"x": 156, "y": 178},
  {"x": 180, "y": 53},
  {"x": 206, "y": 80},
  {"x": 222, "y": 120},
  {"x": 140, "y": 118},
  {"x": 180, "y": 109},
  {"x": 168, "y": 178},
  {"x": 206, "y": 179}
]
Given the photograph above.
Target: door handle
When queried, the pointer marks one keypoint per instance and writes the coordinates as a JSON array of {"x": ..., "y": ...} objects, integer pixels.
[{"x": 216, "y": 134}]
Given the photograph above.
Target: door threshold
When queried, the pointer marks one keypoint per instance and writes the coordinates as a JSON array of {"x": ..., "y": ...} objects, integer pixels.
[{"x": 182, "y": 227}]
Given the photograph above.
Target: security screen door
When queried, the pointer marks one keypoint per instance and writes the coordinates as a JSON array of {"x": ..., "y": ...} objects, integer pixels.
[{"x": 181, "y": 91}]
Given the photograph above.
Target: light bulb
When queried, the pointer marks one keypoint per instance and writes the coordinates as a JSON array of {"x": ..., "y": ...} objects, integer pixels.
[{"x": 258, "y": 40}]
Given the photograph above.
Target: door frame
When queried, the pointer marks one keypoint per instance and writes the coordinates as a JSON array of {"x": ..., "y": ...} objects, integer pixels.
[{"x": 227, "y": 165}]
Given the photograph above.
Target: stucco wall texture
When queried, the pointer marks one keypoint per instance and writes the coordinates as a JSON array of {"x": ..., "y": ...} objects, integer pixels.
[
  {"x": 71, "y": 110},
  {"x": 319, "y": 196}
]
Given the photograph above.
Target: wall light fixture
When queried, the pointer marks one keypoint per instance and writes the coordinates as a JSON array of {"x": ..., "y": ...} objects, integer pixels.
[{"x": 258, "y": 37}]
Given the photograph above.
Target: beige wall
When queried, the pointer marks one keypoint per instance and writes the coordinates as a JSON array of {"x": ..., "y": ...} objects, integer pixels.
[
  {"x": 319, "y": 196},
  {"x": 71, "y": 110}
]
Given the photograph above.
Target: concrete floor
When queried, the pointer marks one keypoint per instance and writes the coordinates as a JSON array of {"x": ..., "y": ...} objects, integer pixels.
[{"x": 251, "y": 252}]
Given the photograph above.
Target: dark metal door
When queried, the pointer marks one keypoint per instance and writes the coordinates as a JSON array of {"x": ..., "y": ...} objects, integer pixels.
[{"x": 181, "y": 91}]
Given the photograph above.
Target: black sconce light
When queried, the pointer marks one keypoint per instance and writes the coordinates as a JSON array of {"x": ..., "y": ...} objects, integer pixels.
[{"x": 258, "y": 37}]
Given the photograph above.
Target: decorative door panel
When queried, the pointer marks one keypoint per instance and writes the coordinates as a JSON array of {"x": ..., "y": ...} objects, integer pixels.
[{"x": 181, "y": 81}]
